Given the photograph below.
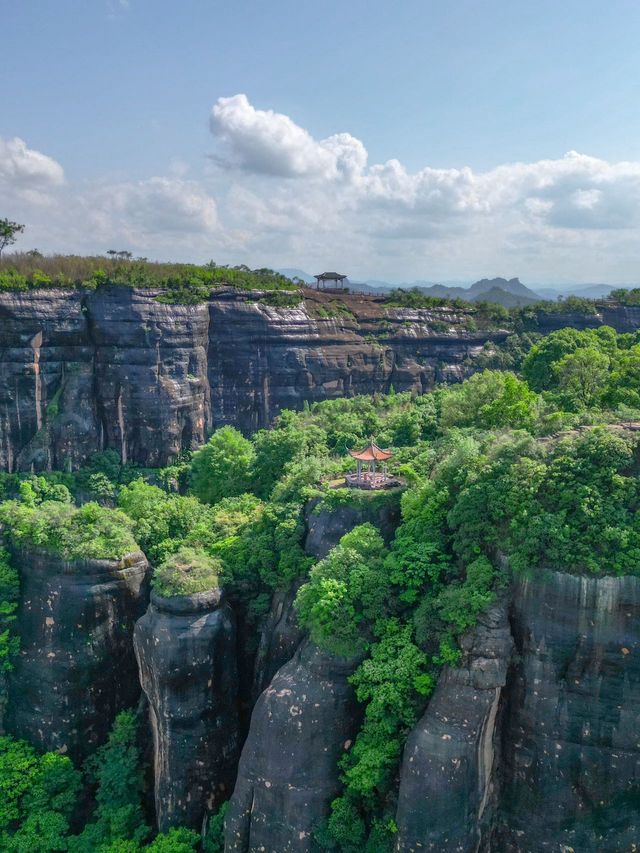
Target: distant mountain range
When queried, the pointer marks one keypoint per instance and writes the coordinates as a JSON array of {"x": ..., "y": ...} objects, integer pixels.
[{"x": 508, "y": 292}]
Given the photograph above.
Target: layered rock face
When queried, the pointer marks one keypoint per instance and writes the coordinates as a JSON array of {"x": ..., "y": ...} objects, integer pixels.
[
  {"x": 186, "y": 651},
  {"x": 76, "y": 667},
  {"x": 115, "y": 368},
  {"x": 448, "y": 789},
  {"x": 288, "y": 772},
  {"x": 264, "y": 359},
  {"x": 81, "y": 371},
  {"x": 571, "y": 774}
]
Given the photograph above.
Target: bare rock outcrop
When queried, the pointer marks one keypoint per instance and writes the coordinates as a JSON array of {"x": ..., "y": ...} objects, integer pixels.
[
  {"x": 76, "y": 667},
  {"x": 448, "y": 790},
  {"x": 186, "y": 651},
  {"x": 571, "y": 774},
  {"x": 327, "y": 526},
  {"x": 288, "y": 772}
]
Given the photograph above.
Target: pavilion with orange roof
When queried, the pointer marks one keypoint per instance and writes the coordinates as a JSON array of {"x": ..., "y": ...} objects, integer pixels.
[{"x": 367, "y": 476}]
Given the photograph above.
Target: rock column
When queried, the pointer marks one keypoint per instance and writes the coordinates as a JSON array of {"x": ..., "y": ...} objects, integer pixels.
[
  {"x": 186, "y": 650},
  {"x": 288, "y": 773}
]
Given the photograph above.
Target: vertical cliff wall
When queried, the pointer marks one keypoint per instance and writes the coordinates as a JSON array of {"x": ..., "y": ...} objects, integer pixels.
[
  {"x": 571, "y": 772},
  {"x": 83, "y": 371},
  {"x": 186, "y": 647},
  {"x": 288, "y": 771},
  {"x": 76, "y": 667},
  {"x": 549, "y": 760}
]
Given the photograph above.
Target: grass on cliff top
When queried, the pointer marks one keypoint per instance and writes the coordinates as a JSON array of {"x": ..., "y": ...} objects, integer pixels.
[
  {"x": 187, "y": 572},
  {"x": 88, "y": 532},
  {"x": 186, "y": 284}
]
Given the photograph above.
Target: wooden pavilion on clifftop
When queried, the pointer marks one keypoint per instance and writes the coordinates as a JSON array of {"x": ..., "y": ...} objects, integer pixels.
[
  {"x": 330, "y": 281},
  {"x": 367, "y": 475}
]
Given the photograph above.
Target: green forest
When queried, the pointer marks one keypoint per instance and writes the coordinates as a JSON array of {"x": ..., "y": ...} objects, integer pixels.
[{"x": 509, "y": 472}]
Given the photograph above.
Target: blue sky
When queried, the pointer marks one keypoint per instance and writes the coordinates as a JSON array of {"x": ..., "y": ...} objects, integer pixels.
[{"x": 110, "y": 102}]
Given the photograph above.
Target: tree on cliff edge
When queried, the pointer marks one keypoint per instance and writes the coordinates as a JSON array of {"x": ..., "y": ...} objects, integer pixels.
[{"x": 9, "y": 233}]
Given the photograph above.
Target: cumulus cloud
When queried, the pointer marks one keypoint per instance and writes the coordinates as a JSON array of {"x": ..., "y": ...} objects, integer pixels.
[
  {"x": 273, "y": 194},
  {"x": 270, "y": 143},
  {"x": 23, "y": 168},
  {"x": 572, "y": 192}
]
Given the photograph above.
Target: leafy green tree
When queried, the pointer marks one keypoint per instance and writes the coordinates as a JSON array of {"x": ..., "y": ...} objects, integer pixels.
[
  {"x": 540, "y": 366},
  {"x": 488, "y": 400},
  {"x": 275, "y": 448},
  {"x": 9, "y": 638},
  {"x": 39, "y": 795},
  {"x": 346, "y": 592},
  {"x": 222, "y": 468},
  {"x": 90, "y": 531},
  {"x": 9, "y": 231},
  {"x": 161, "y": 522},
  {"x": 214, "y": 839},
  {"x": 582, "y": 376},
  {"x": 116, "y": 769},
  {"x": 624, "y": 380},
  {"x": 176, "y": 840},
  {"x": 102, "y": 487}
]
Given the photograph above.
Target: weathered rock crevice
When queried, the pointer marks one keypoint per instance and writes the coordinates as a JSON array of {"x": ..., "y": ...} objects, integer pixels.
[{"x": 186, "y": 648}]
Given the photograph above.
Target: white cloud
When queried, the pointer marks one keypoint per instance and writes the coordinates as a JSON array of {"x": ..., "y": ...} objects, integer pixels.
[
  {"x": 270, "y": 143},
  {"x": 22, "y": 168},
  {"x": 165, "y": 205},
  {"x": 275, "y": 195}
]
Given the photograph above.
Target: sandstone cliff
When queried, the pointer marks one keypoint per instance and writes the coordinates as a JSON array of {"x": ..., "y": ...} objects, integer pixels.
[
  {"x": 448, "y": 789},
  {"x": 288, "y": 771},
  {"x": 83, "y": 371},
  {"x": 76, "y": 667},
  {"x": 571, "y": 771},
  {"x": 547, "y": 759}
]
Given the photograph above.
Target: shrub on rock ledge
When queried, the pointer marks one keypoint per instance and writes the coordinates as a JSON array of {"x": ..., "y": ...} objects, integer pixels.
[{"x": 186, "y": 572}]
